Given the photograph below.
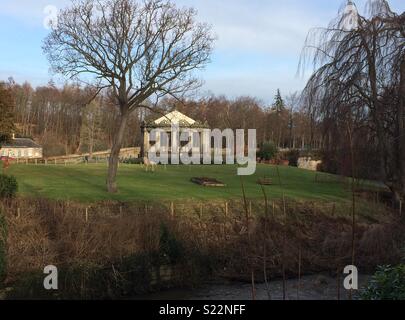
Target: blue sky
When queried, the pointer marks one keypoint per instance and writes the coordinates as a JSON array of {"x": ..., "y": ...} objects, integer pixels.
[{"x": 257, "y": 51}]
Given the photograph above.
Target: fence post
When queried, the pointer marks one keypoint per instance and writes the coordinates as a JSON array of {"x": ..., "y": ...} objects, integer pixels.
[
  {"x": 87, "y": 214},
  {"x": 172, "y": 209},
  {"x": 338, "y": 284},
  {"x": 226, "y": 208}
]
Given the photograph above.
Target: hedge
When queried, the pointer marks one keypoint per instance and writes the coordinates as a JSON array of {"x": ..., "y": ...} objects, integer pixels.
[{"x": 8, "y": 186}]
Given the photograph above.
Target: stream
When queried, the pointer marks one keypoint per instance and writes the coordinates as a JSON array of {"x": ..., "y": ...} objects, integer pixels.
[{"x": 313, "y": 287}]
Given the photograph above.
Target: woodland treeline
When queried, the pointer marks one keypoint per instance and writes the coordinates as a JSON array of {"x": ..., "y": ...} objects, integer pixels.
[{"x": 68, "y": 120}]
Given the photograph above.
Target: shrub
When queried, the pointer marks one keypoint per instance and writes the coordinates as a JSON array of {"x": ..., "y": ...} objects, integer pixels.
[
  {"x": 8, "y": 186},
  {"x": 171, "y": 250},
  {"x": 3, "y": 242},
  {"x": 268, "y": 151},
  {"x": 126, "y": 277},
  {"x": 133, "y": 161},
  {"x": 388, "y": 283},
  {"x": 292, "y": 156}
]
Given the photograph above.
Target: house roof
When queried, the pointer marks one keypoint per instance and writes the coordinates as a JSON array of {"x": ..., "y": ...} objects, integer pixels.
[
  {"x": 175, "y": 117},
  {"x": 21, "y": 143}
]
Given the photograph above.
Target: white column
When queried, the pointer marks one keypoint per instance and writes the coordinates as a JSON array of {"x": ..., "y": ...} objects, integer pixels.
[
  {"x": 205, "y": 147},
  {"x": 146, "y": 145}
]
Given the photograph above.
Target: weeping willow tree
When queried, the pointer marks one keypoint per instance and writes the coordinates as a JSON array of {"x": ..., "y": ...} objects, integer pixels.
[{"x": 357, "y": 88}]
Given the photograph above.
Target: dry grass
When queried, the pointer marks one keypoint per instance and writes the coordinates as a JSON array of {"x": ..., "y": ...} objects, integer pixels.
[
  {"x": 48, "y": 232},
  {"x": 54, "y": 232}
]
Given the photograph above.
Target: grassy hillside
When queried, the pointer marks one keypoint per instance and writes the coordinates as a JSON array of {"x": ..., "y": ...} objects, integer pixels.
[{"x": 87, "y": 183}]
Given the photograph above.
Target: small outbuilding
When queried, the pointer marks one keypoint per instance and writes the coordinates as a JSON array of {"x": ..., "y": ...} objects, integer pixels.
[{"x": 21, "y": 148}]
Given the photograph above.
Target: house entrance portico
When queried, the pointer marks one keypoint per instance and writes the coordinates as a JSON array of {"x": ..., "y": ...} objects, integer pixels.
[{"x": 166, "y": 142}]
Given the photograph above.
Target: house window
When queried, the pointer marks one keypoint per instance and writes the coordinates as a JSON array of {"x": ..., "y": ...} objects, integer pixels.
[
  {"x": 164, "y": 140},
  {"x": 196, "y": 140},
  {"x": 189, "y": 137}
]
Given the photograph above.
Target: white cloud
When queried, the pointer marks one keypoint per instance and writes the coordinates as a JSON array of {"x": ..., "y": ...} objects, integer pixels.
[
  {"x": 259, "y": 41},
  {"x": 262, "y": 86},
  {"x": 263, "y": 26},
  {"x": 260, "y": 26}
]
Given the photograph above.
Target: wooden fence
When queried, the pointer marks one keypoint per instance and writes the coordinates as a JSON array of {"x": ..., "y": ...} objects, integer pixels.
[{"x": 95, "y": 157}]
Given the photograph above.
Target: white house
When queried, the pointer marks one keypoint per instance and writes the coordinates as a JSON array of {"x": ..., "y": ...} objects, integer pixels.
[{"x": 21, "y": 148}]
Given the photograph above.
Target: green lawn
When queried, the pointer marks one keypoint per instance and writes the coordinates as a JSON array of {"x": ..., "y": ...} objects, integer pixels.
[{"x": 86, "y": 183}]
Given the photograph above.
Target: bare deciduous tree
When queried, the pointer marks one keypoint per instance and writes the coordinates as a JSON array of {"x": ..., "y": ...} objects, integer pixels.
[{"x": 139, "y": 49}]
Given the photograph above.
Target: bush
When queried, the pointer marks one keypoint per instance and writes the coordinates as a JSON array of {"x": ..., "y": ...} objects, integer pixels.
[
  {"x": 8, "y": 186},
  {"x": 127, "y": 277},
  {"x": 268, "y": 151},
  {"x": 292, "y": 157},
  {"x": 133, "y": 161},
  {"x": 3, "y": 243},
  {"x": 171, "y": 250},
  {"x": 388, "y": 283}
]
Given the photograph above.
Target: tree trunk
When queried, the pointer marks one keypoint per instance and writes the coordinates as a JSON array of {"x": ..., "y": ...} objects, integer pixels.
[
  {"x": 115, "y": 152},
  {"x": 79, "y": 146},
  {"x": 401, "y": 128},
  {"x": 91, "y": 140},
  {"x": 377, "y": 119},
  {"x": 376, "y": 106}
]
